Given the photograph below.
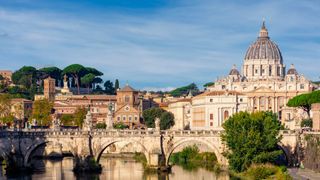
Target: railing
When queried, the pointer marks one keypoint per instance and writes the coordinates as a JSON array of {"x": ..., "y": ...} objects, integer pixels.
[{"x": 104, "y": 132}]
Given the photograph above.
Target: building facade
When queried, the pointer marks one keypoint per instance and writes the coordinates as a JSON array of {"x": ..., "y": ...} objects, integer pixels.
[{"x": 265, "y": 81}]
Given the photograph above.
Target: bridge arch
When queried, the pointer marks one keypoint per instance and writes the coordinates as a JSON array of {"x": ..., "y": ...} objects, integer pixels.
[
  {"x": 220, "y": 158},
  {"x": 31, "y": 149},
  {"x": 109, "y": 143},
  {"x": 287, "y": 153},
  {"x": 34, "y": 147}
]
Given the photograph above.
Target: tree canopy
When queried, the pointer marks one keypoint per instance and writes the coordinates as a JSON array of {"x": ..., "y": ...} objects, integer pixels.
[
  {"x": 305, "y": 101},
  {"x": 41, "y": 112},
  {"x": 251, "y": 138},
  {"x": 53, "y": 72},
  {"x": 184, "y": 90},
  {"x": 76, "y": 71},
  {"x": 109, "y": 88},
  {"x": 5, "y": 109},
  {"x": 166, "y": 118},
  {"x": 208, "y": 84}
]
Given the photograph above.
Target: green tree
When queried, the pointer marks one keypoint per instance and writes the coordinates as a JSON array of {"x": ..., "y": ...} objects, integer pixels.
[
  {"x": 67, "y": 119},
  {"x": 87, "y": 80},
  {"x": 41, "y": 112},
  {"x": 166, "y": 118},
  {"x": 306, "y": 123},
  {"x": 53, "y": 72},
  {"x": 25, "y": 76},
  {"x": 116, "y": 85},
  {"x": 208, "y": 84},
  {"x": 94, "y": 71},
  {"x": 109, "y": 88},
  {"x": 6, "y": 116},
  {"x": 76, "y": 71},
  {"x": 120, "y": 126},
  {"x": 251, "y": 138},
  {"x": 305, "y": 101},
  {"x": 184, "y": 90},
  {"x": 79, "y": 116}
]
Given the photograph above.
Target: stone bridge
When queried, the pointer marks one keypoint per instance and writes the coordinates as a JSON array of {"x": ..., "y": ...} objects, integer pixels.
[{"x": 157, "y": 146}]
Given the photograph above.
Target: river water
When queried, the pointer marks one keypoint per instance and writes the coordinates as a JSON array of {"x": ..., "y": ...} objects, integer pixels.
[{"x": 113, "y": 169}]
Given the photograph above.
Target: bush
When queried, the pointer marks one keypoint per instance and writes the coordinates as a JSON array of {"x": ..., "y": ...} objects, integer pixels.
[
  {"x": 266, "y": 171},
  {"x": 120, "y": 126},
  {"x": 101, "y": 125},
  {"x": 306, "y": 123}
]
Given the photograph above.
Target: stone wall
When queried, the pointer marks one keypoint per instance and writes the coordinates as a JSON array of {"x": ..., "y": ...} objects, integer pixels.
[{"x": 311, "y": 159}]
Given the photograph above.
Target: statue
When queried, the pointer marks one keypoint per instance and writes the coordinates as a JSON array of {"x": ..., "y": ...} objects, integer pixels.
[
  {"x": 109, "y": 122},
  {"x": 56, "y": 122},
  {"x": 157, "y": 124},
  {"x": 87, "y": 125}
]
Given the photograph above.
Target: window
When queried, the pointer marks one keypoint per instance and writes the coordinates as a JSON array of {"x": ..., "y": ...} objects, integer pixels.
[
  {"x": 211, "y": 123},
  {"x": 301, "y": 86},
  {"x": 211, "y": 116},
  {"x": 118, "y": 118},
  {"x": 130, "y": 118},
  {"x": 123, "y": 118},
  {"x": 136, "y": 118},
  {"x": 223, "y": 86},
  {"x": 288, "y": 116},
  {"x": 211, "y": 100},
  {"x": 225, "y": 115},
  {"x": 241, "y": 100},
  {"x": 126, "y": 99},
  {"x": 256, "y": 71}
]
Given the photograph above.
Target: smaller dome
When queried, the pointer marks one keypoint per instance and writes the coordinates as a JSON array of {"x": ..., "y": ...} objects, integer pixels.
[
  {"x": 292, "y": 70},
  {"x": 234, "y": 71}
]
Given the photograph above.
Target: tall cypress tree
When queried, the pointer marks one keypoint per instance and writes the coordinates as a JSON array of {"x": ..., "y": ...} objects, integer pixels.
[{"x": 116, "y": 85}]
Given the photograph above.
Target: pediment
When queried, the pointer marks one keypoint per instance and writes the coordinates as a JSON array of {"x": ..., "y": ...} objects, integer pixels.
[{"x": 262, "y": 90}]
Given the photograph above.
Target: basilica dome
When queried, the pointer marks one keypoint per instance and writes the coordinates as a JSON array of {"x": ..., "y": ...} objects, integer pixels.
[{"x": 263, "y": 48}]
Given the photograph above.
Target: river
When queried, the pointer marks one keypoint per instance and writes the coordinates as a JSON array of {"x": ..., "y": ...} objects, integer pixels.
[{"x": 113, "y": 169}]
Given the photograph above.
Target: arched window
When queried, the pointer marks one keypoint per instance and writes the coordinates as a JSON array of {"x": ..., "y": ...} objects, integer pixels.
[{"x": 225, "y": 115}]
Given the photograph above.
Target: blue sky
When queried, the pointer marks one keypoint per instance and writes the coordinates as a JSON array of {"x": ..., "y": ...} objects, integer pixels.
[{"x": 156, "y": 44}]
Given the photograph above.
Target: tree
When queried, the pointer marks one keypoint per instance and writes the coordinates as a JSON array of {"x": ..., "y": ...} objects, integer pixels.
[
  {"x": 251, "y": 138},
  {"x": 87, "y": 80},
  {"x": 25, "y": 76},
  {"x": 208, "y": 84},
  {"x": 166, "y": 118},
  {"x": 76, "y": 71},
  {"x": 79, "y": 116},
  {"x": 184, "y": 90},
  {"x": 116, "y": 85},
  {"x": 5, "y": 109},
  {"x": 53, "y": 72},
  {"x": 67, "y": 119},
  {"x": 305, "y": 101},
  {"x": 41, "y": 112},
  {"x": 94, "y": 71},
  {"x": 109, "y": 88}
]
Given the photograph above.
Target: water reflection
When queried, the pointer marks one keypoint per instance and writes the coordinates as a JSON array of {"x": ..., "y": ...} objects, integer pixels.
[{"x": 114, "y": 169}]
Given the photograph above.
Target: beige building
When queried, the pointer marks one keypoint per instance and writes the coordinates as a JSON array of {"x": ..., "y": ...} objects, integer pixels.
[
  {"x": 212, "y": 108},
  {"x": 128, "y": 107},
  {"x": 7, "y": 75},
  {"x": 316, "y": 117},
  {"x": 265, "y": 81},
  {"x": 21, "y": 109}
]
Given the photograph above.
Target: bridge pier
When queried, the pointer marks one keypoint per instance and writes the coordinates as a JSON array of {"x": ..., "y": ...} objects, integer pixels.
[{"x": 83, "y": 164}]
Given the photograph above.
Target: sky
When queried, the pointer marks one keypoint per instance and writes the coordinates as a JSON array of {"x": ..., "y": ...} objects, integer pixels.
[{"x": 156, "y": 44}]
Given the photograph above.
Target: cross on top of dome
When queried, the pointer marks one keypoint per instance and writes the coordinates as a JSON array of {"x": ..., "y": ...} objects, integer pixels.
[{"x": 263, "y": 31}]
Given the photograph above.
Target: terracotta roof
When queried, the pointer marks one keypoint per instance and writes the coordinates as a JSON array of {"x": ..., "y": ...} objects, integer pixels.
[{"x": 127, "y": 88}]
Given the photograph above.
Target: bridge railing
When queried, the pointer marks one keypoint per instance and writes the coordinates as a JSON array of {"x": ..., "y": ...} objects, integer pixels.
[{"x": 103, "y": 132}]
